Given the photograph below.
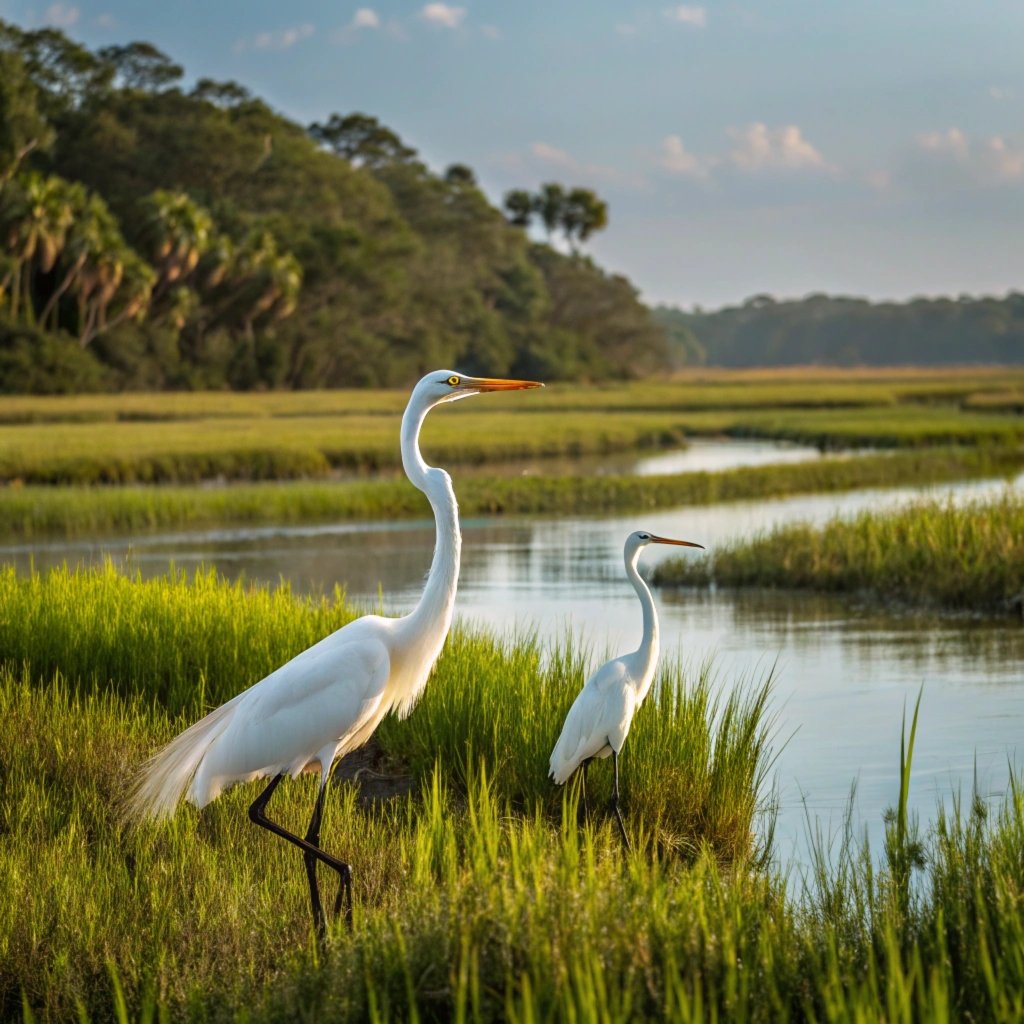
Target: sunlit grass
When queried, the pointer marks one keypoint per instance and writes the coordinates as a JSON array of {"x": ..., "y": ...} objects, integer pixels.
[
  {"x": 478, "y": 897},
  {"x": 117, "y": 439},
  {"x": 468, "y": 908},
  {"x": 957, "y": 556},
  {"x": 699, "y": 388},
  {"x": 37, "y": 511}
]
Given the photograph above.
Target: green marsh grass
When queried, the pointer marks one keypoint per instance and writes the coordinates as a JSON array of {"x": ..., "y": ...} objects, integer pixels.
[
  {"x": 968, "y": 557},
  {"x": 702, "y": 388},
  {"x": 468, "y": 908},
  {"x": 189, "y": 642},
  {"x": 474, "y": 901},
  {"x": 187, "y": 438},
  {"x": 37, "y": 511}
]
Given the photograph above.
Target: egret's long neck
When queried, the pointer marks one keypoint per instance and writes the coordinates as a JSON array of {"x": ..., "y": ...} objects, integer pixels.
[
  {"x": 648, "y": 649},
  {"x": 437, "y": 604}
]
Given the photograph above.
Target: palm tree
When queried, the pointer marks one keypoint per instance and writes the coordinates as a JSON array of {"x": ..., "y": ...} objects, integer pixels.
[
  {"x": 550, "y": 204},
  {"x": 179, "y": 232},
  {"x": 36, "y": 213}
]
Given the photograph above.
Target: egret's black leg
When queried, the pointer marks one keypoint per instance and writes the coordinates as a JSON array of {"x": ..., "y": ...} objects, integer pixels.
[
  {"x": 257, "y": 815},
  {"x": 615, "y": 800},
  {"x": 313, "y": 838},
  {"x": 345, "y": 877}
]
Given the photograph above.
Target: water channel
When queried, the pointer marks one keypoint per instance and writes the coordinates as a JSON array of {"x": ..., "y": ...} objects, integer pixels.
[{"x": 845, "y": 668}]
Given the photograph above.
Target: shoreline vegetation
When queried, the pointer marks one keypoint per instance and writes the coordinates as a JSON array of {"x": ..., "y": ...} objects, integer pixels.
[
  {"x": 479, "y": 897},
  {"x": 180, "y": 438},
  {"x": 968, "y": 557},
  {"x": 69, "y": 511}
]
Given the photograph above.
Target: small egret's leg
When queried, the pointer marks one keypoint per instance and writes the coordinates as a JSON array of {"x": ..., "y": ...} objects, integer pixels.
[
  {"x": 257, "y": 815},
  {"x": 583, "y": 785},
  {"x": 615, "y": 800}
]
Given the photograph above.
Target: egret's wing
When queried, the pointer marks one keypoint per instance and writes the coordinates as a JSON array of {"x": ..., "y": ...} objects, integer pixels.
[
  {"x": 327, "y": 695},
  {"x": 599, "y": 717}
]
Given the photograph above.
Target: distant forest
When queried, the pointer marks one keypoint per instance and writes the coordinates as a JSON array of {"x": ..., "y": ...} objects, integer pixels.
[
  {"x": 838, "y": 331},
  {"x": 153, "y": 236}
]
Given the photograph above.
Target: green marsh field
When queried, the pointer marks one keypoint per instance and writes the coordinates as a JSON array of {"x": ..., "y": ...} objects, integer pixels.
[
  {"x": 478, "y": 896},
  {"x": 483, "y": 892}
]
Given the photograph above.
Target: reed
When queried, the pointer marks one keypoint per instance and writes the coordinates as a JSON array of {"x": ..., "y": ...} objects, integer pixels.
[
  {"x": 167, "y": 439},
  {"x": 967, "y": 557},
  {"x": 699, "y": 388},
  {"x": 468, "y": 907},
  {"x": 33, "y": 511}
]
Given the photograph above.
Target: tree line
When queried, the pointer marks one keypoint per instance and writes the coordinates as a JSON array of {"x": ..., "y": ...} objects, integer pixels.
[
  {"x": 841, "y": 331},
  {"x": 153, "y": 236}
]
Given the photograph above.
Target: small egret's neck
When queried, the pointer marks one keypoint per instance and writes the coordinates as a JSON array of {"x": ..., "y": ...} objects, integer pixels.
[
  {"x": 437, "y": 605},
  {"x": 648, "y": 649}
]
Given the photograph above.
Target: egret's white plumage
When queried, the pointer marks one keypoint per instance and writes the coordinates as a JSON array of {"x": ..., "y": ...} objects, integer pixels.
[
  {"x": 328, "y": 700},
  {"x": 598, "y": 721}
]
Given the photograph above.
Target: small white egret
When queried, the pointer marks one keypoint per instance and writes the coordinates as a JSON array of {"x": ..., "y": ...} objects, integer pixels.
[
  {"x": 327, "y": 700},
  {"x": 598, "y": 721}
]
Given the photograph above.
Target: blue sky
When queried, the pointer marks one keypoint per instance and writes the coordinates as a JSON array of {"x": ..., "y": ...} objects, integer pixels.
[{"x": 871, "y": 148}]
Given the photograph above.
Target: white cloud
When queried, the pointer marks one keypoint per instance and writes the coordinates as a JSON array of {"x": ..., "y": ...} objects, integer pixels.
[
  {"x": 61, "y": 15},
  {"x": 1004, "y": 160},
  {"x": 696, "y": 16},
  {"x": 880, "y": 181},
  {"x": 283, "y": 40},
  {"x": 490, "y": 31},
  {"x": 582, "y": 173},
  {"x": 675, "y": 158},
  {"x": 992, "y": 161},
  {"x": 365, "y": 17},
  {"x": 758, "y": 147},
  {"x": 952, "y": 143},
  {"x": 998, "y": 92},
  {"x": 553, "y": 155},
  {"x": 444, "y": 15}
]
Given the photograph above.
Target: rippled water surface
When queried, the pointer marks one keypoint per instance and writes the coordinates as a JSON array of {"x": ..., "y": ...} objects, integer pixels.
[{"x": 844, "y": 668}]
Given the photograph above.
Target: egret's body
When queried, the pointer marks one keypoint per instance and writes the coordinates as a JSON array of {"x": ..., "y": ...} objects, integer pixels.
[
  {"x": 599, "y": 720},
  {"x": 329, "y": 699}
]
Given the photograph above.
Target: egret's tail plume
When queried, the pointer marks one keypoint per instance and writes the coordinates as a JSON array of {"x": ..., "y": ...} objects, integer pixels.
[{"x": 163, "y": 779}]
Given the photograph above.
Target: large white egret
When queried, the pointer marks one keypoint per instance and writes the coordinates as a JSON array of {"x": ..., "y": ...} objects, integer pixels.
[
  {"x": 327, "y": 700},
  {"x": 598, "y": 721}
]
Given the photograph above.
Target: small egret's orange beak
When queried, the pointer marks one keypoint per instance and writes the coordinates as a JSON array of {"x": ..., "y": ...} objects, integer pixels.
[
  {"x": 499, "y": 384},
  {"x": 681, "y": 543}
]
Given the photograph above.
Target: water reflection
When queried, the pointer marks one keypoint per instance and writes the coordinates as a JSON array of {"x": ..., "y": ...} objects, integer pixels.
[
  {"x": 845, "y": 669},
  {"x": 701, "y": 454}
]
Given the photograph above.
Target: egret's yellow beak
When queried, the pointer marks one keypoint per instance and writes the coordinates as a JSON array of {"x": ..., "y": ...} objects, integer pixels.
[
  {"x": 681, "y": 543},
  {"x": 498, "y": 384}
]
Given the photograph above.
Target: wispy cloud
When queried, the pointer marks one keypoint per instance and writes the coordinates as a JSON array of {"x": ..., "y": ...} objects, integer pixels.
[
  {"x": 760, "y": 148},
  {"x": 625, "y": 29},
  {"x": 283, "y": 39},
  {"x": 365, "y": 17},
  {"x": 951, "y": 143},
  {"x": 543, "y": 155},
  {"x": 999, "y": 92},
  {"x": 675, "y": 158},
  {"x": 444, "y": 15},
  {"x": 490, "y": 31},
  {"x": 992, "y": 161},
  {"x": 106, "y": 21},
  {"x": 686, "y": 15},
  {"x": 61, "y": 15}
]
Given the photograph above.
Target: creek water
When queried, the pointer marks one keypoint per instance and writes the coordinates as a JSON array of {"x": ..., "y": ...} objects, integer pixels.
[{"x": 844, "y": 668}]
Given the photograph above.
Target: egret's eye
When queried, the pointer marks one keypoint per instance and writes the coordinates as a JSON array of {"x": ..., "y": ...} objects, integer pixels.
[
  {"x": 453, "y": 380},
  {"x": 645, "y": 536}
]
